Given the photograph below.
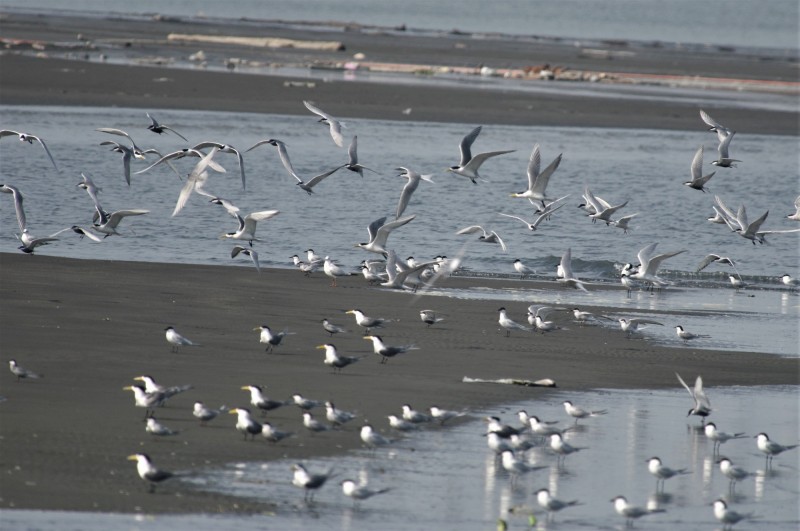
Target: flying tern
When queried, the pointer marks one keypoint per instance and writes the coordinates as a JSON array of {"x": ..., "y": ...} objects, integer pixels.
[
  {"x": 469, "y": 165},
  {"x": 629, "y": 326},
  {"x": 702, "y": 405},
  {"x": 566, "y": 276},
  {"x": 160, "y": 128},
  {"x": 224, "y": 148},
  {"x": 30, "y": 139},
  {"x": 650, "y": 264},
  {"x": 181, "y": 153},
  {"x": 247, "y": 252},
  {"x": 699, "y": 180},
  {"x": 485, "y": 237},
  {"x": 413, "y": 180},
  {"x": 247, "y": 225},
  {"x": 538, "y": 181},
  {"x": 379, "y": 231},
  {"x": 334, "y": 124},
  {"x": 533, "y": 225},
  {"x": 352, "y": 163}
]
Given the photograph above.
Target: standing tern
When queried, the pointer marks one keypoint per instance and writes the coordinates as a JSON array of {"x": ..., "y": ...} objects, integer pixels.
[
  {"x": 515, "y": 466},
  {"x": 306, "y": 404},
  {"x": 469, "y": 165},
  {"x": 336, "y": 416},
  {"x": 332, "y": 328},
  {"x": 443, "y": 415},
  {"x": 720, "y": 437},
  {"x": 771, "y": 448},
  {"x": 204, "y": 413},
  {"x": 247, "y": 252},
  {"x": 485, "y": 237},
  {"x": 160, "y": 128},
  {"x": 579, "y": 413},
  {"x": 687, "y": 336},
  {"x": 732, "y": 472},
  {"x": 145, "y": 400},
  {"x": 631, "y": 512},
  {"x": 415, "y": 417},
  {"x": 699, "y": 180},
  {"x": 387, "y": 351},
  {"x": 789, "y": 281},
  {"x": 663, "y": 472},
  {"x": 522, "y": 269},
  {"x": 312, "y": 424},
  {"x": 552, "y": 505},
  {"x": 225, "y": 148},
  {"x": 650, "y": 264},
  {"x": 334, "y": 125},
  {"x": 360, "y": 491},
  {"x": 728, "y": 517},
  {"x": 247, "y": 225},
  {"x": 309, "y": 482},
  {"x": 537, "y": 182},
  {"x": 629, "y": 326},
  {"x": 148, "y": 472},
  {"x": 272, "y": 434},
  {"x": 157, "y": 429},
  {"x": 270, "y": 338},
  {"x": 305, "y": 267},
  {"x": 177, "y": 340},
  {"x": 702, "y": 405},
  {"x": 150, "y": 386},
  {"x": 365, "y": 321},
  {"x": 245, "y": 423},
  {"x": 505, "y": 431},
  {"x": 352, "y": 163},
  {"x": 509, "y": 324},
  {"x": 21, "y": 372},
  {"x": 401, "y": 424},
  {"x": 334, "y": 271},
  {"x": 372, "y": 438},
  {"x": 413, "y": 180},
  {"x": 562, "y": 448},
  {"x": 430, "y": 317},
  {"x": 583, "y": 316},
  {"x": 335, "y": 360},
  {"x": 379, "y": 231},
  {"x": 262, "y": 402},
  {"x": 25, "y": 137}
]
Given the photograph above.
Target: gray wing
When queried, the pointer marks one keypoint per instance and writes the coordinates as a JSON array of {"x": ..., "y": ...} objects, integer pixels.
[
  {"x": 479, "y": 159},
  {"x": 116, "y": 217},
  {"x": 383, "y": 232},
  {"x": 318, "y": 178},
  {"x": 52, "y": 160},
  {"x": 697, "y": 164},
  {"x": 466, "y": 145},
  {"x": 699, "y": 394},
  {"x": 544, "y": 178},
  {"x": 471, "y": 230},
  {"x": 533, "y": 166},
  {"x": 405, "y": 196},
  {"x": 352, "y": 151},
  {"x": 707, "y": 260},
  {"x": 724, "y": 144},
  {"x": 287, "y": 163},
  {"x": 14, "y": 191},
  {"x": 373, "y": 227}
]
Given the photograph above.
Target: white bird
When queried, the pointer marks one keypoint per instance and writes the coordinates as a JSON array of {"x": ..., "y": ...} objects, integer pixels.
[
  {"x": 542, "y": 428},
  {"x": 736, "y": 282},
  {"x": 25, "y": 137},
  {"x": 224, "y": 148},
  {"x": 247, "y": 252},
  {"x": 245, "y": 423},
  {"x": 270, "y": 338},
  {"x": 401, "y": 424},
  {"x": 107, "y": 223},
  {"x": 413, "y": 180},
  {"x": 752, "y": 231},
  {"x": 687, "y": 336},
  {"x": 127, "y": 155},
  {"x": 724, "y": 160},
  {"x": 196, "y": 180},
  {"x": 260, "y": 401},
  {"x": 372, "y": 438},
  {"x": 602, "y": 210},
  {"x": 699, "y": 180},
  {"x": 514, "y": 466},
  {"x": 151, "y": 387},
  {"x": 539, "y": 324},
  {"x": 160, "y": 128},
  {"x": 272, "y": 434},
  {"x": 565, "y": 273},
  {"x": 468, "y": 166},
  {"x": 728, "y": 517},
  {"x": 336, "y": 416},
  {"x": 579, "y": 413},
  {"x": 551, "y": 504},
  {"x": 505, "y": 431},
  {"x": 307, "y": 186},
  {"x": 732, "y": 472},
  {"x": 334, "y": 271},
  {"x": 332, "y": 328},
  {"x": 177, "y": 340},
  {"x": 136, "y": 151},
  {"x": 771, "y": 448},
  {"x": 443, "y": 415},
  {"x": 29, "y": 242},
  {"x": 305, "y": 403},
  {"x": 522, "y": 269},
  {"x": 21, "y": 372},
  {"x": 583, "y": 316},
  {"x": 334, "y": 124},
  {"x": 795, "y": 216},
  {"x": 335, "y": 360},
  {"x": 247, "y": 225},
  {"x": 352, "y": 163},
  {"x": 157, "y": 429},
  {"x": 365, "y": 321},
  {"x": 497, "y": 444},
  {"x": 379, "y": 231},
  {"x": 631, "y": 512},
  {"x": 720, "y": 437},
  {"x": 414, "y": 416},
  {"x": 702, "y": 405},
  {"x": 305, "y": 267},
  {"x": 715, "y": 259},
  {"x": 405, "y": 275},
  {"x": 561, "y": 447},
  {"x": 309, "y": 482},
  {"x": 788, "y": 280},
  {"x": 714, "y": 126},
  {"x": 360, "y": 491},
  {"x": 485, "y": 237},
  {"x": 430, "y": 317},
  {"x": 629, "y": 326},
  {"x": 148, "y": 472},
  {"x": 622, "y": 223},
  {"x": 533, "y": 225},
  {"x": 144, "y": 400},
  {"x": 312, "y": 424},
  {"x": 508, "y": 323},
  {"x": 650, "y": 264},
  {"x": 663, "y": 472},
  {"x": 204, "y": 413},
  {"x": 179, "y": 154},
  {"x": 537, "y": 182},
  {"x": 387, "y": 351}
]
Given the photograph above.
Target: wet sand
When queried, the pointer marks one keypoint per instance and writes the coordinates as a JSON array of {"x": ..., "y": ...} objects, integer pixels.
[{"x": 92, "y": 326}]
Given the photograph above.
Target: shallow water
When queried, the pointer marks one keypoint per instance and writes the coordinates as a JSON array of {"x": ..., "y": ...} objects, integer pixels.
[{"x": 453, "y": 481}]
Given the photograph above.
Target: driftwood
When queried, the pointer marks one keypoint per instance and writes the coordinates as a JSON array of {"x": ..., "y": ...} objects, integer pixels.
[{"x": 547, "y": 382}]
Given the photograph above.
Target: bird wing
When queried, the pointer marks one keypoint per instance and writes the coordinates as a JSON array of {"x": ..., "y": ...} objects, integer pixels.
[
  {"x": 639, "y": 321},
  {"x": 699, "y": 394},
  {"x": 566, "y": 264},
  {"x": 383, "y": 233},
  {"x": 707, "y": 260},
  {"x": 724, "y": 144},
  {"x": 593, "y": 202},
  {"x": 352, "y": 151},
  {"x": 254, "y": 257},
  {"x": 533, "y": 166},
  {"x": 9, "y": 132},
  {"x": 405, "y": 195},
  {"x": 753, "y": 227},
  {"x": 21, "y": 220},
  {"x": 784, "y": 231},
  {"x": 126, "y": 164},
  {"x": 741, "y": 217},
  {"x": 318, "y": 178},
  {"x": 515, "y": 217},
  {"x": 544, "y": 178},
  {"x": 251, "y": 219},
  {"x": 466, "y": 145},
  {"x": 186, "y": 191},
  {"x": 471, "y": 230},
  {"x": 655, "y": 261},
  {"x": 480, "y": 158},
  {"x": 118, "y": 132},
  {"x": 547, "y": 212},
  {"x": 52, "y": 160},
  {"x": 287, "y": 163},
  {"x": 499, "y": 240},
  {"x": 697, "y": 164},
  {"x": 644, "y": 254},
  {"x": 116, "y": 217},
  {"x": 373, "y": 227}
]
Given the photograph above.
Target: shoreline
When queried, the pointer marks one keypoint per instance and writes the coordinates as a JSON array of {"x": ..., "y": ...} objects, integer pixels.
[{"x": 73, "y": 457}]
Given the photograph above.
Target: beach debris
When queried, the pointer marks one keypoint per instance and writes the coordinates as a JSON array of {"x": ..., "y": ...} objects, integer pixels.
[
  {"x": 259, "y": 42},
  {"x": 545, "y": 382}
]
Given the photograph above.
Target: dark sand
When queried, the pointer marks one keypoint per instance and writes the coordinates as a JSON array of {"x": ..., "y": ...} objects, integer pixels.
[{"x": 92, "y": 326}]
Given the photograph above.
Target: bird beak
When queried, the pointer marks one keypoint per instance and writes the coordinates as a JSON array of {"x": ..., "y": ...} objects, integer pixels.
[
  {"x": 127, "y": 388},
  {"x": 246, "y": 387},
  {"x": 320, "y": 346},
  {"x": 349, "y": 311},
  {"x": 366, "y": 337},
  {"x": 132, "y": 457},
  {"x": 139, "y": 378},
  {"x": 233, "y": 412},
  {"x": 257, "y": 328}
]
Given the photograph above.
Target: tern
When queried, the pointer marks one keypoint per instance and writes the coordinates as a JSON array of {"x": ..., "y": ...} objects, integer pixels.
[
  {"x": 413, "y": 180},
  {"x": 307, "y": 186},
  {"x": 631, "y": 512},
  {"x": 334, "y": 271},
  {"x": 485, "y": 237},
  {"x": 147, "y": 401},
  {"x": 516, "y": 467},
  {"x": 387, "y": 351},
  {"x": 699, "y": 180},
  {"x": 148, "y": 472},
  {"x": 702, "y": 405},
  {"x": 552, "y": 505},
  {"x": 270, "y": 338},
  {"x": 410, "y": 275},
  {"x": 224, "y": 148},
  {"x": 443, "y": 415},
  {"x": 583, "y": 316},
  {"x": 497, "y": 444},
  {"x": 334, "y": 124},
  {"x": 29, "y": 242},
  {"x": 724, "y": 160},
  {"x": 795, "y": 216},
  {"x": 522, "y": 269},
  {"x": 177, "y": 340},
  {"x": 687, "y": 336},
  {"x": 272, "y": 434},
  {"x": 579, "y": 413},
  {"x": 195, "y": 182},
  {"x": 245, "y": 423},
  {"x": 160, "y": 128},
  {"x": 732, "y": 472},
  {"x": 736, "y": 282},
  {"x": 150, "y": 386},
  {"x": 715, "y": 259},
  {"x": 537, "y": 182},
  {"x": 714, "y": 126},
  {"x": 306, "y": 404},
  {"x": 379, "y": 231},
  {"x": 157, "y": 429},
  {"x": 566, "y": 276},
  {"x": 504, "y": 431},
  {"x": 336, "y": 361},
  {"x": 469, "y": 165},
  {"x": 650, "y": 264},
  {"x": 332, "y": 328},
  {"x": 629, "y": 326},
  {"x": 352, "y": 163},
  {"x": 305, "y": 267},
  {"x": 622, "y": 223},
  {"x": 260, "y": 401},
  {"x": 135, "y": 150},
  {"x": 752, "y": 231},
  {"x": 92, "y": 189},
  {"x": 533, "y": 225},
  {"x": 539, "y": 324},
  {"x": 728, "y": 517},
  {"x": 662, "y": 472},
  {"x": 401, "y": 424},
  {"x": 247, "y": 225},
  {"x": 430, "y": 317},
  {"x": 312, "y": 424},
  {"x": 414, "y": 416},
  {"x": 127, "y": 154},
  {"x": 366, "y": 322},
  {"x": 788, "y": 280},
  {"x": 508, "y": 323},
  {"x": 771, "y": 448},
  {"x": 336, "y": 416},
  {"x": 542, "y": 428},
  {"x": 309, "y": 482},
  {"x": 203, "y": 413},
  {"x": 30, "y": 139},
  {"x": 720, "y": 437},
  {"x": 21, "y": 372},
  {"x": 371, "y": 438},
  {"x": 247, "y": 252},
  {"x": 179, "y": 154},
  {"x": 562, "y": 448},
  {"x": 359, "y": 492},
  {"x": 602, "y": 210},
  {"x": 107, "y": 223}
]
